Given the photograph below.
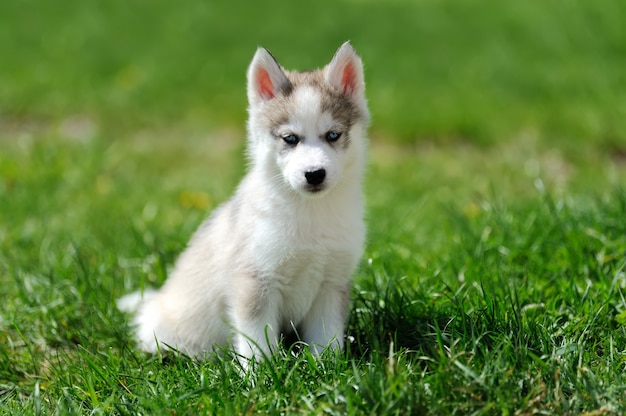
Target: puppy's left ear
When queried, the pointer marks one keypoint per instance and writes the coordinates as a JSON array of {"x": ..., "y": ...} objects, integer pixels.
[{"x": 345, "y": 72}]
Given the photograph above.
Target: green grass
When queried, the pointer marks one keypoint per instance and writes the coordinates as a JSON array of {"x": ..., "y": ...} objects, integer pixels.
[{"x": 494, "y": 275}]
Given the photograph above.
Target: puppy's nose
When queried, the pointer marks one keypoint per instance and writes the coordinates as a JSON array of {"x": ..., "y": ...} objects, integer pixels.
[{"x": 315, "y": 177}]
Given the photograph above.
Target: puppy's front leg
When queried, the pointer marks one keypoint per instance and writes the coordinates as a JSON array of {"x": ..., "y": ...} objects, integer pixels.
[
  {"x": 255, "y": 318},
  {"x": 323, "y": 326},
  {"x": 255, "y": 338}
]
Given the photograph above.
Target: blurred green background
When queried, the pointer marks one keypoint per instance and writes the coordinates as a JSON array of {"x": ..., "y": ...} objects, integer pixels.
[
  {"x": 480, "y": 71},
  {"x": 113, "y": 108}
]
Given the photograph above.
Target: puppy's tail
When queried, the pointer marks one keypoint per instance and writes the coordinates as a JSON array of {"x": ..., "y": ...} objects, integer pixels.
[{"x": 131, "y": 302}]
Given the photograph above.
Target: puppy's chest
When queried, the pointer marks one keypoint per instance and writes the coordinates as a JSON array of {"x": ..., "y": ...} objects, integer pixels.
[
  {"x": 308, "y": 251},
  {"x": 298, "y": 258},
  {"x": 299, "y": 276},
  {"x": 306, "y": 258}
]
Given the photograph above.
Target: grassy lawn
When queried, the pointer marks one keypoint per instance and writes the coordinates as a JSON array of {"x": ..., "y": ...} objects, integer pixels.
[{"x": 494, "y": 275}]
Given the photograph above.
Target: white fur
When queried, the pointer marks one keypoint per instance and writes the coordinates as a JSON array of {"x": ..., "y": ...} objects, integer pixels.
[{"x": 276, "y": 255}]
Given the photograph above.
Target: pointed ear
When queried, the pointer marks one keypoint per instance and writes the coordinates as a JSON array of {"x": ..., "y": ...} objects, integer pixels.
[
  {"x": 345, "y": 72},
  {"x": 265, "y": 77}
]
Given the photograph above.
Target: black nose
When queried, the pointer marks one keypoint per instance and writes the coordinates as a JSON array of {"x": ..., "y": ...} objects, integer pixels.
[{"x": 315, "y": 177}]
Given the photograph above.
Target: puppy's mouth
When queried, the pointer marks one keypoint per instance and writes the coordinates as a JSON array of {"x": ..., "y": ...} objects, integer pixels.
[{"x": 314, "y": 189}]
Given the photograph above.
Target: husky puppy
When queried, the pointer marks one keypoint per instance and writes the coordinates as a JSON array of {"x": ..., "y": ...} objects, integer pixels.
[{"x": 280, "y": 253}]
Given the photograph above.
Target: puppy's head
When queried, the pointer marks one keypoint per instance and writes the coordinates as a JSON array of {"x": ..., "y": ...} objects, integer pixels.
[{"x": 307, "y": 126}]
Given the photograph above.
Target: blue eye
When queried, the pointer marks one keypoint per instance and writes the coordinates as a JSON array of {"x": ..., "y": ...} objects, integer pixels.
[
  {"x": 333, "y": 136},
  {"x": 291, "y": 139}
]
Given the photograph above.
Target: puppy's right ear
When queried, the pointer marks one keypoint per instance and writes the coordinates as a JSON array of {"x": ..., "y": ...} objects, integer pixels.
[{"x": 265, "y": 78}]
